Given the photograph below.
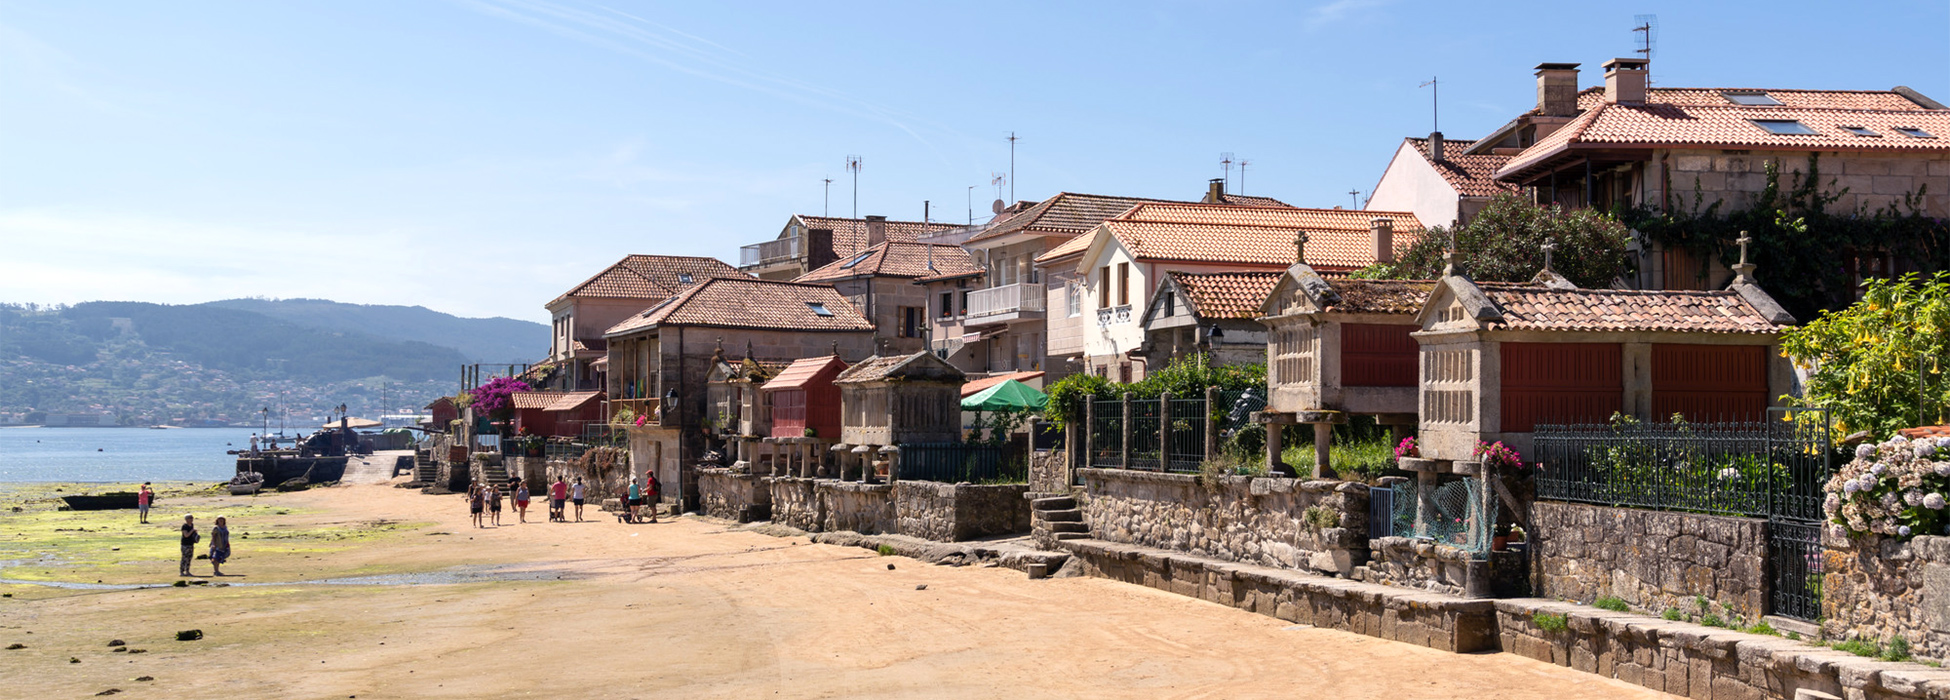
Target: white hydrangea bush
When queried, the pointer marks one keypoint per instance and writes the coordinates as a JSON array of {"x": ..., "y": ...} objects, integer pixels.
[{"x": 1896, "y": 488}]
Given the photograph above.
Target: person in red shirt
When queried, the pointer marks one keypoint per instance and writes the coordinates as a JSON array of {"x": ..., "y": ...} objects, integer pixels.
[
  {"x": 142, "y": 501},
  {"x": 653, "y": 491},
  {"x": 558, "y": 495}
]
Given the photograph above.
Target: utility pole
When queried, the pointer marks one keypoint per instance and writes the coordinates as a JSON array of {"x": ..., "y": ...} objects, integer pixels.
[
  {"x": 853, "y": 166},
  {"x": 971, "y": 205},
  {"x": 1012, "y": 166},
  {"x": 926, "y": 216},
  {"x": 826, "y": 203},
  {"x": 1242, "y": 174}
]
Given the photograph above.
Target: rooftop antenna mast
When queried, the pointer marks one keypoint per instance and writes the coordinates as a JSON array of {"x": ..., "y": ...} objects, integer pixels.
[
  {"x": 971, "y": 205},
  {"x": 853, "y": 166},
  {"x": 1435, "y": 103},
  {"x": 826, "y": 209},
  {"x": 1012, "y": 168},
  {"x": 1647, "y": 27},
  {"x": 1242, "y": 174},
  {"x": 1355, "y": 197},
  {"x": 1225, "y": 164},
  {"x": 998, "y": 179}
]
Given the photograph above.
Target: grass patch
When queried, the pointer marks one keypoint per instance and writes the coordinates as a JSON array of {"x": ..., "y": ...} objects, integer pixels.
[
  {"x": 1673, "y": 614},
  {"x": 1795, "y": 636},
  {"x": 1712, "y": 620},
  {"x": 1762, "y": 628},
  {"x": 1898, "y": 650},
  {"x": 885, "y": 550},
  {"x": 1550, "y": 622},
  {"x": 1359, "y": 460},
  {"x": 1612, "y": 603},
  {"x": 1859, "y": 648}
]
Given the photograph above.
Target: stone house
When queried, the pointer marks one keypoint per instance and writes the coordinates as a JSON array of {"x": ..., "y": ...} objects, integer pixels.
[
  {"x": 1439, "y": 181},
  {"x": 890, "y": 400},
  {"x": 1677, "y": 149},
  {"x": 1207, "y": 312},
  {"x": 879, "y": 281},
  {"x": 660, "y": 358},
  {"x": 1498, "y": 359},
  {"x": 582, "y": 314},
  {"x": 808, "y": 243},
  {"x": 1122, "y": 260},
  {"x": 556, "y": 413}
]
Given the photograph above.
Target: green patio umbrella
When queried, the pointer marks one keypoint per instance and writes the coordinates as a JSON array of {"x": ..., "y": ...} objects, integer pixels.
[{"x": 1010, "y": 395}]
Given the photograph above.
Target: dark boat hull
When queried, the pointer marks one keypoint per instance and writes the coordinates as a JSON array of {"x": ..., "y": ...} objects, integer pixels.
[
  {"x": 106, "y": 501},
  {"x": 277, "y": 470}
]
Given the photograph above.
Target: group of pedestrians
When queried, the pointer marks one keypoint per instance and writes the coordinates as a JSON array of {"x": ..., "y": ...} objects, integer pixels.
[
  {"x": 484, "y": 500},
  {"x": 219, "y": 545}
]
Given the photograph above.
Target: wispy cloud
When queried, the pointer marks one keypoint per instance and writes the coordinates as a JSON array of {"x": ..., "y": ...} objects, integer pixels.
[{"x": 1340, "y": 10}]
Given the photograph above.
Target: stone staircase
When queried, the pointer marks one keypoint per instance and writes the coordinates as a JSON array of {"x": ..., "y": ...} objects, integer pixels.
[
  {"x": 426, "y": 469},
  {"x": 1053, "y": 519},
  {"x": 496, "y": 474}
]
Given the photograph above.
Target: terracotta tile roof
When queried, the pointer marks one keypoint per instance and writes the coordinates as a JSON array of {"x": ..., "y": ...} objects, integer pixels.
[
  {"x": 1379, "y": 296},
  {"x": 1066, "y": 214},
  {"x": 850, "y": 235},
  {"x": 535, "y": 399},
  {"x": 573, "y": 400},
  {"x": 651, "y": 277},
  {"x": 976, "y": 386},
  {"x": 1470, "y": 175},
  {"x": 1665, "y": 125},
  {"x": 918, "y": 366},
  {"x": 1252, "y": 201},
  {"x": 898, "y": 260},
  {"x": 1716, "y": 97},
  {"x": 804, "y": 370},
  {"x": 1337, "y": 238},
  {"x": 1543, "y": 308},
  {"x": 1074, "y": 246},
  {"x": 1926, "y": 431},
  {"x": 750, "y": 303},
  {"x": 1227, "y": 294}
]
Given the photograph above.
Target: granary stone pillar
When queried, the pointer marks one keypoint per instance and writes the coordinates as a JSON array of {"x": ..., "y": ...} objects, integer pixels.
[
  {"x": 1323, "y": 451},
  {"x": 1274, "y": 422},
  {"x": 893, "y": 453},
  {"x": 840, "y": 453},
  {"x": 865, "y": 452}
]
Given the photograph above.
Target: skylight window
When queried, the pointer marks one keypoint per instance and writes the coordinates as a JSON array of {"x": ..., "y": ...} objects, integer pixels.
[
  {"x": 856, "y": 260},
  {"x": 1784, "y": 127},
  {"x": 684, "y": 277},
  {"x": 1751, "y": 99},
  {"x": 819, "y": 308},
  {"x": 1914, "y": 132},
  {"x": 1861, "y": 131}
]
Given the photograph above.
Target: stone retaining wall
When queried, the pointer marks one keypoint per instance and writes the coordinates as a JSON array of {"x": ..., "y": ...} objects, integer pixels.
[
  {"x": 849, "y": 505},
  {"x": 1652, "y": 559},
  {"x": 1049, "y": 471},
  {"x": 1259, "y": 520},
  {"x": 795, "y": 504},
  {"x": 1878, "y": 589},
  {"x": 957, "y": 512},
  {"x": 734, "y": 496},
  {"x": 1413, "y": 563}
]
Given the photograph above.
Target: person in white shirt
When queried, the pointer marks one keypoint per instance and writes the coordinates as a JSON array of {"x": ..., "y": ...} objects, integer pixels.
[{"x": 575, "y": 496}]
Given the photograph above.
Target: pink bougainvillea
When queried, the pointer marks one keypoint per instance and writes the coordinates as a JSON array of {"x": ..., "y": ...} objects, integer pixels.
[
  {"x": 1408, "y": 449},
  {"x": 497, "y": 396}
]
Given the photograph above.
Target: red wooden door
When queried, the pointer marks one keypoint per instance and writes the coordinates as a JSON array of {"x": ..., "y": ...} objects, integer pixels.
[
  {"x": 1709, "y": 382},
  {"x": 1560, "y": 383},
  {"x": 789, "y": 413},
  {"x": 1378, "y": 355}
]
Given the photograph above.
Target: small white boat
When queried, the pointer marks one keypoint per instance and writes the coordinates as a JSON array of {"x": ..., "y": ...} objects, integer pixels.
[{"x": 246, "y": 483}]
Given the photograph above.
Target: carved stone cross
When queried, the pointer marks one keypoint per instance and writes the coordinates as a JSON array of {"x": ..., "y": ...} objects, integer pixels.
[
  {"x": 1452, "y": 259},
  {"x": 1549, "y": 247},
  {"x": 1300, "y": 247},
  {"x": 1744, "y": 271}
]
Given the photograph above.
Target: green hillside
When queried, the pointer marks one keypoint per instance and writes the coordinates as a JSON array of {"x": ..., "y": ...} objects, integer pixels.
[{"x": 479, "y": 339}]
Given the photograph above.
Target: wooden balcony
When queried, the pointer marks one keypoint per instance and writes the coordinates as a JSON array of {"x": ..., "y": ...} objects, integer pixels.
[{"x": 642, "y": 407}]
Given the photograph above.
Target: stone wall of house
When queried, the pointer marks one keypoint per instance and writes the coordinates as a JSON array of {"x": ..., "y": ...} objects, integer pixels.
[
  {"x": 1873, "y": 182},
  {"x": 734, "y": 496},
  {"x": 795, "y": 503},
  {"x": 1261, "y": 520},
  {"x": 850, "y": 505},
  {"x": 1652, "y": 559},
  {"x": 1878, "y": 589},
  {"x": 957, "y": 512}
]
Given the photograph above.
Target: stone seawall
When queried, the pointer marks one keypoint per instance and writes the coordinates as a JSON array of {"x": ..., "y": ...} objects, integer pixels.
[
  {"x": 1879, "y": 589},
  {"x": 794, "y": 503},
  {"x": 733, "y": 496},
  {"x": 1259, "y": 520},
  {"x": 1652, "y": 559},
  {"x": 958, "y": 512},
  {"x": 849, "y": 505}
]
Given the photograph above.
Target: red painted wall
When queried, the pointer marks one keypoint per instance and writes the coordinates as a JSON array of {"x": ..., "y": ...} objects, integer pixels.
[
  {"x": 1378, "y": 355},
  {"x": 1560, "y": 383},
  {"x": 1709, "y": 382}
]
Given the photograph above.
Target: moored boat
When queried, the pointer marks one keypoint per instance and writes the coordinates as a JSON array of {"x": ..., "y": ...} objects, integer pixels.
[
  {"x": 246, "y": 483},
  {"x": 115, "y": 500}
]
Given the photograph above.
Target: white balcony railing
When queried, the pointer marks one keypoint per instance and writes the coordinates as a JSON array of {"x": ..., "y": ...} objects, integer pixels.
[
  {"x": 769, "y": 252},
  {"x": 1007, "y": 299},
  {"x": 1115, "y": 314}
]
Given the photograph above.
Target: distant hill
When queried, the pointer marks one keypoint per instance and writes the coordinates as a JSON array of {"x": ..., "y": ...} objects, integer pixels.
[
  {"x": 232, "y": 340},
  {"x": 477, "y": 339}
]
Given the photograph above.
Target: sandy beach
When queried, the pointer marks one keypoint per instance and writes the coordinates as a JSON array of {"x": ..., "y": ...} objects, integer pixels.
[{"x": 691, "y": 607}]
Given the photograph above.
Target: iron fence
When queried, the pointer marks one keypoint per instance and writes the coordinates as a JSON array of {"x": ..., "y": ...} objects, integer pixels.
[
  {"x": 1107, "y": 434},
  {"x": 955, "y": 462},
  {"x": 1775, "y": 467},
  {"x": 1186, "y": 450},
  {"x": 1146, "y": 451},
  {"x": 1794, "y": 554},
  {"x": 1381, "y": 512}
]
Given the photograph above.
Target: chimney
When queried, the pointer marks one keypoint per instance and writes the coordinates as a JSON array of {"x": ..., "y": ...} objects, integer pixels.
[
  {"x": 1215, "y": 191},
  {"x": 1625, "y": 80},
  {"x": 1383, "y": 229},
  {"x": 876, "y": 230},
  {"x": 1435, "y": 146},
  {"x": 1557, "y": 89}
]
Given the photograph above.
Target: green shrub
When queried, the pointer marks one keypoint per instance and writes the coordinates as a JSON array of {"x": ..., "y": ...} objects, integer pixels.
[
  {"x": 1859, "y": 648},
  {"x": 885, "y": 551},
  {"x": 1796, "y": 636},
  {"x": 1673, "y": 614},
  {"x": 1712, "y": 620},
  {"x": 1550, "y": 622},
  {"x": 1321, "y": 517},
  {"x": 1612, "y": 603},
  {"x": 1865, "y": 356},
  {"x": 1763, "y": 628},
  {"x": 1898, "y": 650},
  {"x": 1505, "y": 243}
]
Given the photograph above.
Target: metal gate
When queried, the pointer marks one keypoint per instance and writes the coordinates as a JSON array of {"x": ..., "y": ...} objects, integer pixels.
[{"x": 1800, "y": 448}]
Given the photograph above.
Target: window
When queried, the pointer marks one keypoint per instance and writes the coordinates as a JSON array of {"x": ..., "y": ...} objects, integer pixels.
[
  {"x": 910, "y": 322},
  {"x": 684, "y": 277},
  {"x": 1103, "y": 287},
  {"x": 1914, "y": 132},
  {"x": 1171, "y": 304},
  {"x": 819, "y": 308},
  {"x": 1861, "y": 131},
  {"x": 1783, "y": 127},
  {"x": 1123, "y": 284},
  {"x": 1751, "y": 99},
  {"x": 1075, "y": 290},
  {"x": 964, "y": 303},
  {"x": 947, "y": 304},
  {"x": 856, "y": 260}
]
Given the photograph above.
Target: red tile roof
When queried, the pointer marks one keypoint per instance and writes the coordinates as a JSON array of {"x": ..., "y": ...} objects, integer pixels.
[
  {"x": 850, "y": 235},
  {"x": 1379, "y": 296},
  {"x": 1252, "y": 201},
  {"x": 1815, "y": 99},
  {"x": 804, "y": 370},
  {"x": 1470, "y": 175},
  {"x": 535, "y": 399},
  {"x": 898, "y": 260},
  {"x": 573, "y": 400},
  {"x": 1680, "y": 126},
  {"x": 750, "y": 303},
  {"x": 651, "y": 277},
  {"x": 1217, "y": 233},
  {"x": 976, "y": 386},
  {"x": 1066, "y": 214},
  {"x": 1227, "y": 294},
  {"x": 1543, "y": 308}
]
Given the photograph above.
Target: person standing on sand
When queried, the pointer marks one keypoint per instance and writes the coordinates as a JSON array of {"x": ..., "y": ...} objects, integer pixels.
[
  {"x": 494, "y": 504},
  {"x": 575, "y": 495},
  {"x": 521, "y": 501},
  {"x": 142, "y": 501},
  {"x": 474, "y": 503},
  {"x": 219, "y": 547},
  {"x": 190, "y": 538},
  {"x": 632, "y": 499},
  {"x": 653, "y": 492},
  {"x": 558, "y": 500}
]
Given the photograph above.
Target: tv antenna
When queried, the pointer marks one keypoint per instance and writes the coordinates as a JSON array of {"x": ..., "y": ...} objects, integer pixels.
[
  {"x": 1225, "y": 164},
  {"x": 853, "y": 166},
  {"x": 971, "y": 205},
  {"x": 1012, "y": 168},
  {"x": 998, "y": 180},
  {"x": 1435, "y": 103},
  {"x": 1647, "y": 27},
  {"x": 826, "y": 208},
  {"x": 1355, "y": 197},
  {"x": 1242, "y": 174}
]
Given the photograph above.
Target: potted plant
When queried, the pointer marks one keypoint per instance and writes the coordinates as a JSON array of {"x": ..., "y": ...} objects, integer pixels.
[
  {"x": 1500, "y": 538},
  {"x": 1517, "y": 537}
]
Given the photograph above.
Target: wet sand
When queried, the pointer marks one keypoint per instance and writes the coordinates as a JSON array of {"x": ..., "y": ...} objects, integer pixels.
[{"x": 378, "y": 592}]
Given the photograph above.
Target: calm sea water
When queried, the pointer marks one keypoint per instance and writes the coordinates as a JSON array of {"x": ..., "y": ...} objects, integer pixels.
[{"x": 119, "y": 454}]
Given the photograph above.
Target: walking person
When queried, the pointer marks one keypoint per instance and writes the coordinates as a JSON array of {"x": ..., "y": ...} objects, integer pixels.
[
  {"x": 575, "y": 496},
  {"x": 521, "y": 501},
  {"x": 142, "y": 501},
  {"x": 653, "y": 492},
  {"x": 494, "y": 504},
  {"x": 474, "y": 498},
  {"x": 558, "y": 500},
  {"x": 190, "y": 538},
  {"x": 219, "y": 547}
]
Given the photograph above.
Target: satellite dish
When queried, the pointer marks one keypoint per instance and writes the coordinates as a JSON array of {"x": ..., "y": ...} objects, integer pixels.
[{"x": 996, "y": 207}]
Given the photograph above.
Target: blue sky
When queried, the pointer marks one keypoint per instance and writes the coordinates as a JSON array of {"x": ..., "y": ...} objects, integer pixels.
[{"x": 481, "y": 156}]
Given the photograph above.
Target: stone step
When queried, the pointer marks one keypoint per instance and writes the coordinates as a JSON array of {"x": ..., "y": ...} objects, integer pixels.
[
  {"x": 1067, "y": 527},
  {"x": 1053, "y": 503},
  {"x": 1073, "y": 515},
  {"x": 1072, "y": 535}
]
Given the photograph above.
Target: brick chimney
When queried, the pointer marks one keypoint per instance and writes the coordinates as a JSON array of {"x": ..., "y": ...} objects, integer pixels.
[
  {"x": 1435, "y": 146},
  {"x": 1215, "y": 191},
  {"x": 876, "y": 230},
  {"x": 1557, "y": 89},
  {"x": 1625, "y": 80},
  {"x": 1383, "y": 229}
]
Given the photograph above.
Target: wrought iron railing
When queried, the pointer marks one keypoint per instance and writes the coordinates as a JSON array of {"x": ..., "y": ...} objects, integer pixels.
[
  {"x": 1775, "y": 467},
  {"x": 1115, "y": 314},
  {"x": 955, "y": 462},
  {"x": 1185, "y": 449},
  {"x": 1107, "y": 434}
]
